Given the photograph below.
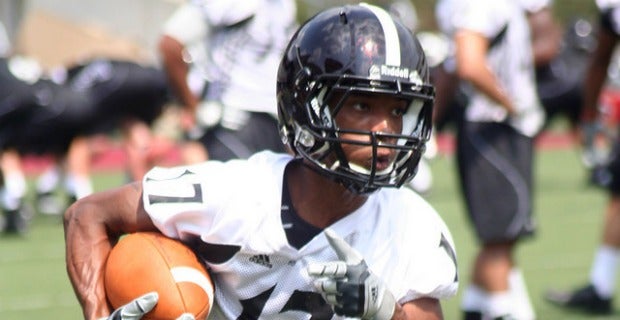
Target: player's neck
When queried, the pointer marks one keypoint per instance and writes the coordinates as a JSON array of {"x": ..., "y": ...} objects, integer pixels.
[{"x": 319, "y": 200}]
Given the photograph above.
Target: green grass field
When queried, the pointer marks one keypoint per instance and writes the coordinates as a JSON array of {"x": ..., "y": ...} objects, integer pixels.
[{"x": 34, "y": 285}]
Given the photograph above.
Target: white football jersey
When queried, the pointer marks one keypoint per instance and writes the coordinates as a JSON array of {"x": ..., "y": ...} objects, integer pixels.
[
  {"x": 240, "y": 61},
  {"x": 606, "y": 4},
  {"x": 535, "y": 5},
  {"x": 509, "y": 56},
  {"x": 231, "y": 214}
]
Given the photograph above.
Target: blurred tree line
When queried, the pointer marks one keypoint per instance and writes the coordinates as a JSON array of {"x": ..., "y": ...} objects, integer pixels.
[{"x": 565, "y": 10}]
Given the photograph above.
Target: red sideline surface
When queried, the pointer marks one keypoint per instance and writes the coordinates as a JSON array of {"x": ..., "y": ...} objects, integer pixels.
[{"x": 110, "y": 155}]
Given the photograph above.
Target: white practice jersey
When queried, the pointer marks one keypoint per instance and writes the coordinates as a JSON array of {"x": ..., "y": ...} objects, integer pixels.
[
  {"x": 535, "y": 5},
  {"x": 231, "y": 214},
  {"x": 504, "y": 23},
  {"x": 606, "y": 4},
  {"x": 236, "y": 45}
]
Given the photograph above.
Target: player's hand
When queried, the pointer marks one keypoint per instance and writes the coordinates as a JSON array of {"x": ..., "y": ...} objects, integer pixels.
[
  {"x": 529, "y": 120},
  {"x": 595, "y": 141},
  {"x": 137, "y": 308},
  {"x": 349, "y": 286}
]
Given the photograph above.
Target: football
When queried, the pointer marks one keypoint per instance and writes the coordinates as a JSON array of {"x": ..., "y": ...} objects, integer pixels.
[{"x": 147, "y": 261}]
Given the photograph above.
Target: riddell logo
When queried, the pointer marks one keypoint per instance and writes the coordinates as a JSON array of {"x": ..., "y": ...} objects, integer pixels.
[
  {"x": 395, "y": 72},
  {"x": 378, "y": 72}
]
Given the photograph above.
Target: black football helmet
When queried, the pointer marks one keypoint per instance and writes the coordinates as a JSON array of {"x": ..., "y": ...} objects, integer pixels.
[{"x": 353, "y": 50}]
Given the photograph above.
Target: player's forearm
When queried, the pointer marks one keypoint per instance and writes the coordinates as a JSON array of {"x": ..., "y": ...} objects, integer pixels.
[
  {"x": 446, "y": 85},
  {"x": 87, "y": 246},
  {"x": 472, "y": 66},
  {"x": 177, "y": 76},
  {"x": 176, "y": 70},
  {"x": 486, "y": 82},
  {"x": 597, "y": 73},
  {"x": 92, "y": 226},
  {"x": 546, "y": 36},
  {"x": 419, "y": 309},
  {"x": 593, "y": 85}
]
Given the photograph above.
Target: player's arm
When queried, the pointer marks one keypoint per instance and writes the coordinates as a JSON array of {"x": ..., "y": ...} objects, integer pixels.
[
  {"x": 596, "y": 73},
  {"x": 92, "y": 226},
  {"x": 546, "y": 35},
  {"x": 353, "y": 290},
  {"x": 423, "y": 308},
  {"x": 446, "y": 85},
  {"x": 471, "y": 65},
  {"x": 172, "y": 51}
]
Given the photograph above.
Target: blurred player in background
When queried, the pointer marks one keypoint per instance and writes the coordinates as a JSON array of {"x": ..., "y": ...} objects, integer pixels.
[
  {"x": 221, "y": 58},
  {"x": 495, "y": 146},
  {"x": 30, "y": 107},
  {"x": 596, "y": 296},
  {"x": 54, "y": 113},
  {"x": 356, "y": 115},
  {"x": 560, "y": 57},
  {"x": 127, "y": 97}
]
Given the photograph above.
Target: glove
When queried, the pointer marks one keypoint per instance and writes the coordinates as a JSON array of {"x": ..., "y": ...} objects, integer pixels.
[
  {"x": 529, "y": 121},
  {"x": 135, "y": 309},
  {"x": 595, "y": 153},
  {"x": 349, "y": 286}
]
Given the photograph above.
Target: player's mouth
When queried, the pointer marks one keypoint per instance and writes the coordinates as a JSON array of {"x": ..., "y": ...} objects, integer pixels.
[{"x": 382, "y": 163}]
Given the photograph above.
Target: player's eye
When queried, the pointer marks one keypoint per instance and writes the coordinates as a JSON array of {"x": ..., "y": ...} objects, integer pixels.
[
  {"x": 399, "y": 111},
  {"x": 358, "y": 106}
]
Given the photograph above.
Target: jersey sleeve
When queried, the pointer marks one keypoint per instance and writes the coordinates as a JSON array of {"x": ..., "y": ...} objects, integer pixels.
[
  {"x": 487, "y": 17},
  {"x": 436, "y": 267},
  {"x": 225, "y": 13},
  {"x": 424, "y": 262},
  {"x": 218, "y": 201},
  {"x": 535, "y": 5},
  {"x": 187, "y": 25},
  {"x": 175, "y": 199}
]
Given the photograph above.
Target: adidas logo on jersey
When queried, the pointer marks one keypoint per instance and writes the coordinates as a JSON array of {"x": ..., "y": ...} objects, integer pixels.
[{"x": 262, "y": 259}]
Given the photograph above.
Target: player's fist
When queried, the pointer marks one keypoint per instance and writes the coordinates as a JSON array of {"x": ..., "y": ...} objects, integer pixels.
[{"x": 349, "y": 286}]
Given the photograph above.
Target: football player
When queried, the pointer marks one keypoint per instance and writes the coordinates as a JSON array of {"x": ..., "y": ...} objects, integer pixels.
[
  {"x": 122, "y": 95},
  {"x": 495, "y": 145},
  {"x": 29, "y": 105},
  {"x": 48, "y": 113},
  {"x": 322, "y": 232},
  {"x": 596, "y": 296},
  {"x": 221, "y": 58}
]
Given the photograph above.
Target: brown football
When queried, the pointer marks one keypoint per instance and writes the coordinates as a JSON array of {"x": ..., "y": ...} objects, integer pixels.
[{"x": 148, "y": 261}]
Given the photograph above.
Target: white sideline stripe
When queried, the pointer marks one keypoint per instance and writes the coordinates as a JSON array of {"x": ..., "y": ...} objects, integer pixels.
[
  {"x": 392, "y": 45},
  {"x": 191, "y": 275}
]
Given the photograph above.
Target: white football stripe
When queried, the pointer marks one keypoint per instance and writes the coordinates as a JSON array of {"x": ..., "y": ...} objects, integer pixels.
[
  {"x": 187, "y": 274},
  {"x": 392, "y": 45}
]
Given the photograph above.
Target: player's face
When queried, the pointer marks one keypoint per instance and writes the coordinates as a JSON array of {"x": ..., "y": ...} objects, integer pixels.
[{"x": 376, "y": 113}]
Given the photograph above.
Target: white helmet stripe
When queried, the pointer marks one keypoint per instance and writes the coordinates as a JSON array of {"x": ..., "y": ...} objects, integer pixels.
[{"x": 392, "y": 44}]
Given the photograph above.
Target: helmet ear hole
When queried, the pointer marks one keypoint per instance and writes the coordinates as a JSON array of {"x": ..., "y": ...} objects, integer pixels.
[{"x": 301, "y": 80}]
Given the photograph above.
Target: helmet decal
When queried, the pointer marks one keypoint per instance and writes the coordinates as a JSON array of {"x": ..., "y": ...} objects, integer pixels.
[{"x": 392, "y": 48}]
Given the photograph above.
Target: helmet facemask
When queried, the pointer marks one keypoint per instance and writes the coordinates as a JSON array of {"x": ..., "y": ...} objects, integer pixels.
[{"x": 321, "y": 140}]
